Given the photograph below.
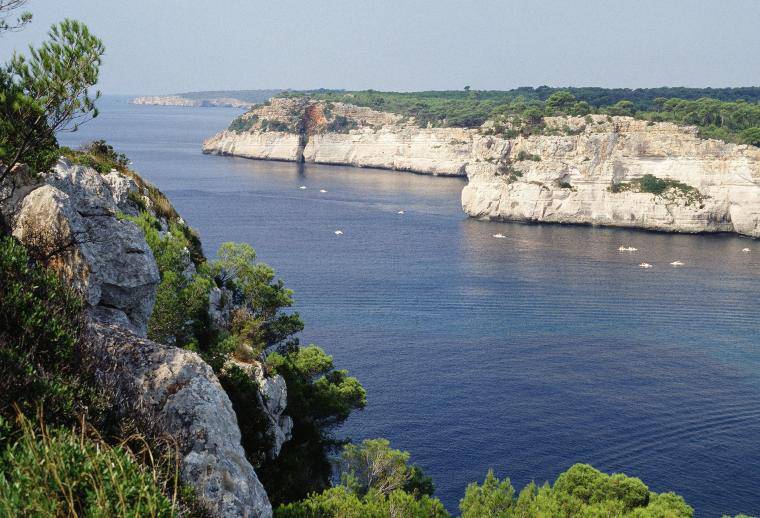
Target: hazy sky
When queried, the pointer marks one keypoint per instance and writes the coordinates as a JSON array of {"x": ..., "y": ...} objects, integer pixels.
[{"x": 167, "y": 46}]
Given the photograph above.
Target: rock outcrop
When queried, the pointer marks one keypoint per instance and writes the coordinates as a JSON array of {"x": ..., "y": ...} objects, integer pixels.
[
  {"x": 179, "y": 393},
  {"x": 591, "y": 174},
  {"x": 272, "y": 392},
  {"x": 576, "y": 170},
  {"x": 75, "y": 213}
]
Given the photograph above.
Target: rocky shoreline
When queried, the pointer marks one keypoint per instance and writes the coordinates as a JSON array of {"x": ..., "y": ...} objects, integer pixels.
[{"x": 593, "y": 170}]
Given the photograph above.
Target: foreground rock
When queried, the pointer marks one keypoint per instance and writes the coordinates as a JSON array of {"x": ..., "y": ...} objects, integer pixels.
[
  {"x": 272, "y": 398},
  {"x": 577, "y": 170},
  {"x": 179, "y": 393},
  {"x": 72, "y": 216}
]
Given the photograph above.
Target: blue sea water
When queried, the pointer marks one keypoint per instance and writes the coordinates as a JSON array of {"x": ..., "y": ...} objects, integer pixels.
[{"x": 524, "y": 354}]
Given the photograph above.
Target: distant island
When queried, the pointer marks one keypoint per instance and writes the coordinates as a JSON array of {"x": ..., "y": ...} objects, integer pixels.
[{"x": 209, "y": 99}]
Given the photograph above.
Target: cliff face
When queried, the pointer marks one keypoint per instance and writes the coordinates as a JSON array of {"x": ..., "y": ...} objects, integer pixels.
[
  {"x": 338, "y": 133},
  {"x": 594, "y": 176},
  {"x": 577, "y": 170}
]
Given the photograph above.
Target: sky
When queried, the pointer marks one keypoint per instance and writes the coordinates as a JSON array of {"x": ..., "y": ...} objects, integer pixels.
[{"x": 171, "y": 46}]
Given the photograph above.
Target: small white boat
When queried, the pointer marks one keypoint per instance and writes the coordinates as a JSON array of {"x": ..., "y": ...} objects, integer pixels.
[
  {"x": 627, "y": 248},
  {"x": 338, "y": 232},
  {"x": 676, "y": 263},
  {"x": 400, "y": 212},
  {"x": 302, "y": 187},
  {"x": 322, "y": 190},
  {"x": 746, "y": 250},
  {"x": 499, "y": 236},
  {"x": 645, "y": 265}
]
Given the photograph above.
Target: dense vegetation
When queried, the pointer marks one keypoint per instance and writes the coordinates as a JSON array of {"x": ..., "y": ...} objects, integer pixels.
[
  {"x": 319, "y": 396},
  {"x": 46, "y": 380},
  {"x": 40, "y": 337},
  {"x": 730, "y": 114},
  {"x": 53, "y": 462},
  {"x": 377, "y": 482},
  {"x": 59, "y": 472},
  {"x": 579, "y": 491}
]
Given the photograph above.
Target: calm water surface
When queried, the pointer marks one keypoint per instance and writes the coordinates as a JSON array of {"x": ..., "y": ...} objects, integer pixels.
[{"x": 524, "y": 354}]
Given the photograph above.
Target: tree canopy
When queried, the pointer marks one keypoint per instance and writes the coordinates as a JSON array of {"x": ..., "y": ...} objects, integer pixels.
[{"x": 579, "y": 491}]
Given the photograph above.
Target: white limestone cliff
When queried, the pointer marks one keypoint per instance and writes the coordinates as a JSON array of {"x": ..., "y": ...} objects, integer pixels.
[
  {"x": 309, "y": 132},
  {"x": 586, "y": 178},
  {"x": 577, "y": 170}
]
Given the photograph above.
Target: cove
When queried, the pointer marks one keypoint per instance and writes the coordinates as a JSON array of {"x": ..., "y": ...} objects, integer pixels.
[{"x": 525, "y": 354}]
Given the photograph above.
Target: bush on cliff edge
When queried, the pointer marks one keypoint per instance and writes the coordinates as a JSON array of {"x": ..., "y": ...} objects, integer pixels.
[
  {"x": 59, "y": 472},
  {"x": 41, "y": 363}
]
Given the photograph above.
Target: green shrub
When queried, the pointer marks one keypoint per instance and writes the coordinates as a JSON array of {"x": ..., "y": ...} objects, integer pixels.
[
  {"x": 319, "y": 398},
  {"x": 672, "y": 190},
  {"x": 624, "y": 107},
  {"x": 60, "y": 473},
  {"x": 374, "y": 466},
  {"x": 652, "y": 184},
  {"x": 243, "y": 123},
  {"x": 524, "y": 155},
  {"x": 180, "y": 313},
  {"x": 750, "y": 136},
  {"x": 15, "y": 130},
  {"x": 494, "y": 498},
  {"x": 274, "y": 125},
  {"x": 97, "y": 154},
  {"x": 579, "y": 491},
  {"x": 341, "y": 124},
  {"x": 341, "y": 502},
  {"x": 41, "y": 329},
  {"x": 260, "y": 323},
  {"x": 511, "y": 173}
]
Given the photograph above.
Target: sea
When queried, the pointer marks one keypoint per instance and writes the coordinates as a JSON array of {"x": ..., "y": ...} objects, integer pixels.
[{"x": 523, "y": 354}]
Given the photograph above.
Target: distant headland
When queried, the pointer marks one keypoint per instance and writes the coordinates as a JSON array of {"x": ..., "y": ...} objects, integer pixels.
[{"x": 209, "y": 99}]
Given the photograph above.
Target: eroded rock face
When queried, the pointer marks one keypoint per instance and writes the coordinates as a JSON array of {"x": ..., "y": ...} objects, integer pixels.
[
  {"x": 175, "y": 389},
  {"x": 270, "y": 145},
  {"x": 272, "y": 392},
  {"x": 273, "y": 399},
  {"x": 170, "y": 391},
  {"x": 584, "y": 178},
  {"x": 102, "y": 256},
  {"x": 339, "y": 133},
  {"x": 565, "y": 175}
]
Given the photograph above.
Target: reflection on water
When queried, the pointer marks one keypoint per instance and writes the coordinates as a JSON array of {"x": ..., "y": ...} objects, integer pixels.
[{"x": 525, "y": 354}]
